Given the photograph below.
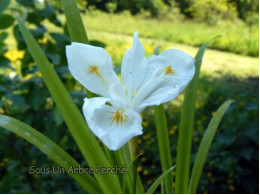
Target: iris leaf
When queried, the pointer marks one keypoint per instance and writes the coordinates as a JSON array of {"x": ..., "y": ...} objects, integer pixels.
[
  {"x": 74, "y": 22},
  {"x": 84, "y": 138},
  {"x": 157, "y": 182},
  {"x": 205, "y": 146},
  {"x": 164, "y": 145},
  {"x": 51, "y": 149},
  {"x": 186, "y": 125}
]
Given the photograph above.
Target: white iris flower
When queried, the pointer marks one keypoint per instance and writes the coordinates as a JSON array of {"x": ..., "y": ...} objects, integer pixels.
[{"x": 115, "y": 117}]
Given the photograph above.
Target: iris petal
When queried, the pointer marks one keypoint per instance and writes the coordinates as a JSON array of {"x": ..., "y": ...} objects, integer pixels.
[
  {"x": 92, "y": 67},
  {"x": 134, "y": 66},
  {"x": 167, "y": 75},
  {"x": 113, "y": 125}
]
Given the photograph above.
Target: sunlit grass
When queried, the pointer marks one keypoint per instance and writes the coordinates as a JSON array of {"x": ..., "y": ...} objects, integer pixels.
[{"x": 237, "y": 37}]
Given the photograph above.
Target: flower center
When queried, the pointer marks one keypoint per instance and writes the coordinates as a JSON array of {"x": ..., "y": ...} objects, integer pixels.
[
  {"x": 94, "y": 70},
  {"x": 118, "y": 117},
  {"x": 169, "y": 70}
]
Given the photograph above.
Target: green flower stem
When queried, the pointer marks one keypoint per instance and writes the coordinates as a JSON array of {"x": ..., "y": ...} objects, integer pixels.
[
  {"x": 134, "y": 149},
  {"x": 164, "y": 146},
  {"x": 133, "y": 145}
]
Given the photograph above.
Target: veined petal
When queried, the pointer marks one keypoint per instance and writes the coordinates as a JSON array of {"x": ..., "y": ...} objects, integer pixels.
[
  {"x": 179, "y": 67},
  {"x": 134, "y": 66},
  {"x": 146, "y": 90},
  {"x": 167, "y": 75},
  {"x": 160, "y": 96},
  {"x": 113, "y": 125},
  {"x": 92, "y": 67}
]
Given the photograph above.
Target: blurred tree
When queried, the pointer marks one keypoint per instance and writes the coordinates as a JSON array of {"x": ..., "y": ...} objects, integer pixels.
[
  {"x": 184, "y": 5},
  {"x": 111, "y": 7},
  {"x": 155, "y": 7},
  {"x": 202, "y": 10},
  {"x": 248, "y": 11},
  {"x": 212, "y": 11},
  {"x": 246, "y": 7}
]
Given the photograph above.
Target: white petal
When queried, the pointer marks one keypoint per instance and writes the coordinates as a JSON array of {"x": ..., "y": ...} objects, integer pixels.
[
  {"x": 134, "y": 66},
  {"x": 160, "y": 96},
  {"x": 92, "y": 67},
  {"x": 113, "y": 131},
  {"x": 183, "y": 66},
  {"x": 146, "y": 90},
  {"x": 118, "y": 94},
  {"x": 167, "y": 75}
]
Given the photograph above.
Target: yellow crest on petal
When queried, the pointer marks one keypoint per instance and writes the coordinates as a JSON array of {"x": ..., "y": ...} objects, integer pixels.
[
  {"x": 119, "y": 117},
  {"x": 94, "y": 69},
  {"x": 169, "y": 70}
]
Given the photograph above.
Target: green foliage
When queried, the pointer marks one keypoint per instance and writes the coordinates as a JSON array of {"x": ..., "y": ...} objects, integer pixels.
[
  {"x": 71, "y": 115},
  {"x": 159, "y": 181},
  {"x": 75, "y": 25},
  {"x": 50, "y": 148},
  {"x": 111, "y": 7},
  {"x": 247, "y": 8},
  {"x": 6, "y": 20},
  {"x": 235, "y": 161},
  {"x": 26, "y": 97},
  {"x": 207, "y": 11},
  {"x": 4, "y": 4},
  {"x": 205, "y": 145},
  {"x": 186, "y": 125},
  {"x": 156, "y": 7},
  {"x": 164, "y": 145}
]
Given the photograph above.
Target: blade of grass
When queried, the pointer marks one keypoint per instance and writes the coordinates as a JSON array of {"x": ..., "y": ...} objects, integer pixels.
[
  {"x": 157, "y": 182},
  {"x": 129, "y": 177},
  {"x": 164, "y": 145},
  {"x": 74, "y": 22},
  {"x": 128, "y": 185},
  {"x": 186, "y": 125},
  {"x": 86, "y": 141},
  {"x": 205, "y": 146},
  {"x": 134, "y": 150},
  {"x": 115, "y": 159},
  {"x": 51, "y": 149}
]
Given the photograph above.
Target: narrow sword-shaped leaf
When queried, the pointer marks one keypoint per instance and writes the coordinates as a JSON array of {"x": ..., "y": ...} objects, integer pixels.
[
  {"x": 84, "y": 138},
  {"x": 74, "y": 22},
  {"x": 129, "y": 177},
  {"x": 130, "y": 182},
  {"x": 205, "y": 146},
  {"x": 186, "y": 125},
  {"x": 157, "y": 182},
  {"x": 164, "y": 145},
  {"x": 51, "y": 149}
]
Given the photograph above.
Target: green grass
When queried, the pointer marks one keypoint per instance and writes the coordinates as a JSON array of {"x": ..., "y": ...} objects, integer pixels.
[{"x": 237, "y": 38}]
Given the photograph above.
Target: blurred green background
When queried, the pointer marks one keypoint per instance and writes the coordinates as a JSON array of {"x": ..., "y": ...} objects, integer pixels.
[{"x": 230, "y": 71}]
